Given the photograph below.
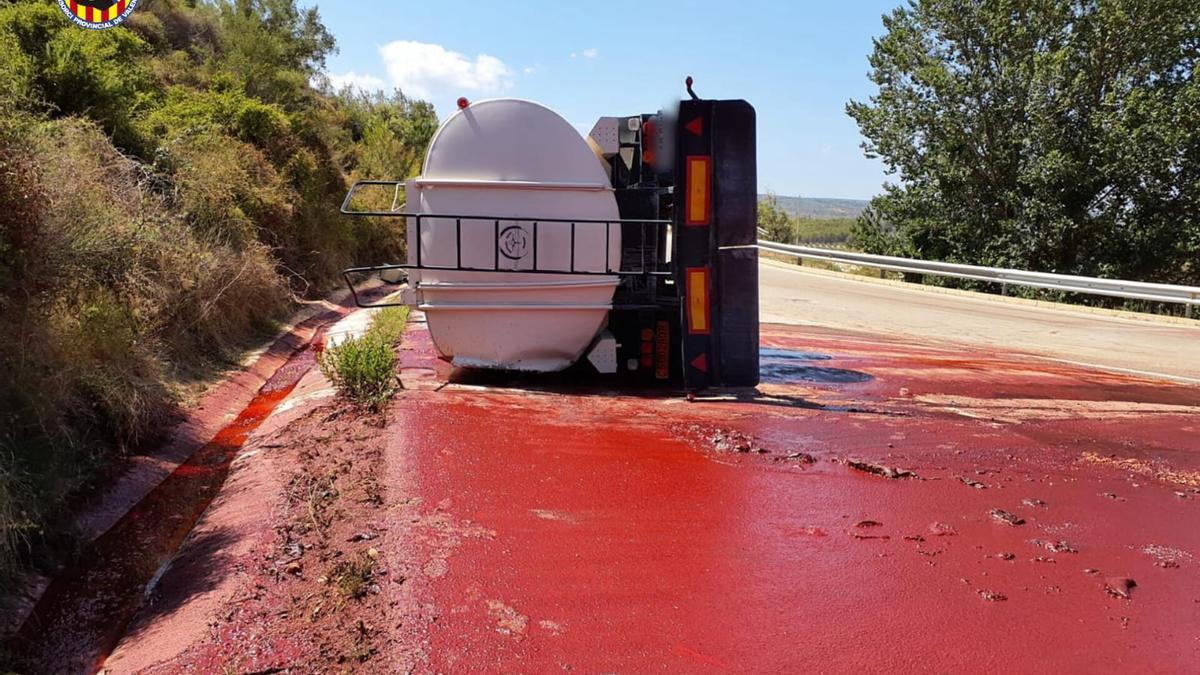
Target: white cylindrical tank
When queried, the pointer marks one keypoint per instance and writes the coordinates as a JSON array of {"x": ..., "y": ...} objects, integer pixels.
[{"x": 509, "y": 163}]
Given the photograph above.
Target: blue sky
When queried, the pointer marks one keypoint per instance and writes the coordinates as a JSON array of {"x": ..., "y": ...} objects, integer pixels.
[{"x": 797, "y": 63}]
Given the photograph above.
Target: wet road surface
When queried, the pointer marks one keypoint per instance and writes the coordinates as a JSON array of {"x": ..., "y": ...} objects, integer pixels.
[
  {"x": 797, "y": 295},
  {"x": 876, "y": 505}
]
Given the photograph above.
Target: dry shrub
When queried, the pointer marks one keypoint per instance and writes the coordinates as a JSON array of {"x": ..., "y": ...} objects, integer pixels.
[
  {"x": 108, "y": 296},
  {"x": 21, "y": 200},
  {"x": 228, "y": 189},
  {"x": 182, "y": 27},
  {"x": 192, "y": 286}
]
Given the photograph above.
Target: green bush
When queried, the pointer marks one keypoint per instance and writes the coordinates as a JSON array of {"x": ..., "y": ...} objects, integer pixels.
[
  {"x": 100, "y": 74},
  {"x": 17, "y": 71},
  {"x": 223, "y": 108},
  {"x": 388, "y": 132},
  {"x": 274, "y": 46},
  {"x": 33, "y": 24},
  {"x": 388, "y": 324},
  {"x": 363, "y": 369}
]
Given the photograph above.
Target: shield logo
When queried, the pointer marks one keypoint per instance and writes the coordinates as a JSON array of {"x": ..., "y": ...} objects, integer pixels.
[{"x": 97, "y": 14}]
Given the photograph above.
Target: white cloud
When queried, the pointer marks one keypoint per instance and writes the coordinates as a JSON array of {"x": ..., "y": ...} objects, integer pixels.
[
  {"x": 529, "y": 71},
  {"x": 361, "y": 82},
  {"x": 432, "y": 72},
  {"x": 590, "y": 53}
]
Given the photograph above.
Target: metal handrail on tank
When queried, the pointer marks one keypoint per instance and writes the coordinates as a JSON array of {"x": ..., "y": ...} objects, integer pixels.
[
  {"x": 394, "y": 212},
  {"x": 398, "y": 186}
]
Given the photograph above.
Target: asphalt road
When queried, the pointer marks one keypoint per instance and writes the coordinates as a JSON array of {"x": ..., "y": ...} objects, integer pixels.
[{"x": 793, "y": 295}]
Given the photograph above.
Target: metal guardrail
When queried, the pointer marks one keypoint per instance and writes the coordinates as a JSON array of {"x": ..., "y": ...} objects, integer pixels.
[{"x": 1189, "y": 296}]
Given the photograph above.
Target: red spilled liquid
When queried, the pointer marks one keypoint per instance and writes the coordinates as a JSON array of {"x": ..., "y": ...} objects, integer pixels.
[{"x": 85, "y": 610}]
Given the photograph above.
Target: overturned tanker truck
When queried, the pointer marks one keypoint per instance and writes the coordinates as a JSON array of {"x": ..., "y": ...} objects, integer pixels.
[{"x": 532, "y": 248}]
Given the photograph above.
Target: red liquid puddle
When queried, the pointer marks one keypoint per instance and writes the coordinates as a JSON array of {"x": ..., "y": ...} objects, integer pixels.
[{"x": 85, "y": 610}]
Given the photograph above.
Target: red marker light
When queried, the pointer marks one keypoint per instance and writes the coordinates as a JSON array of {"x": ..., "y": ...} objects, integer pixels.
[
  {"x": 688, "y": 81},
  {"x": 463, "y": 103},
  {"x": 648, "y": 141}
]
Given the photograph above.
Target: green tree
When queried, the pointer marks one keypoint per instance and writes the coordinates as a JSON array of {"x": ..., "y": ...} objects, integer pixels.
[
  {"x": 1054, "y": 135},
  {"x": 775, "y": 221},
  {"x": 275, "y": 46},
  {"x": 99, "y": 74},
  {"x": 389, "y": 133}
]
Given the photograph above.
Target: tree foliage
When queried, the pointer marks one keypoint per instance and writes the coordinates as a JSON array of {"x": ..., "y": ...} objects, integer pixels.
[
  {"x": 1052, "y": 135},
  {"x": 388, "y": 132},
  {"x": 775, "y": 221},
  {"x": 274, "y": 46}
]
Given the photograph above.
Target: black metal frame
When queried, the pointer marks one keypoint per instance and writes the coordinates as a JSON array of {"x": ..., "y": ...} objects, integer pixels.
[
  {"x": 346, "y": 273},
  {"x": 642, "y": 271},
  {"x": 397, "y": 184}
]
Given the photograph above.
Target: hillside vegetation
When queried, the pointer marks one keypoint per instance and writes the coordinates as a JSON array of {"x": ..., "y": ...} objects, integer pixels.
[
  {"x": 819, "y": 208},
  {"x": 167, "y": 189},
  {"x": 783, "y": 226}
]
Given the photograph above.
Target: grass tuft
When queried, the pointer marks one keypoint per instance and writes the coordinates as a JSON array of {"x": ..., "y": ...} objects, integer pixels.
[
  {"x": 363, "y": 369},
  {"x": 17, "y": 528},
  {"x": 352, "y": 578}
]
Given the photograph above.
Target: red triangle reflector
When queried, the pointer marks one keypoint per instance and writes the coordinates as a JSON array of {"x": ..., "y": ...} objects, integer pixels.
[
  {"x": 700, "y": 363},
  {"x": 696, "y": 126}
]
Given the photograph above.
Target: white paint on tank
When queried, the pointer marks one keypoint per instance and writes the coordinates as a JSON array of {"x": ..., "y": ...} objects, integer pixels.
[{"x": 510, "y": 158}]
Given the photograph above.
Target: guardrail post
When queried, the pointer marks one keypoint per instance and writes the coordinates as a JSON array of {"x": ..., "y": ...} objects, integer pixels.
[
  {"x": 1003, "y": 289},
  {"x": 1188, "y": 307}
]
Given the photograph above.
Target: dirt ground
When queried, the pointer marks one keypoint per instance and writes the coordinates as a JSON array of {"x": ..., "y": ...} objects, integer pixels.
[{"x": 313, "y": 592}]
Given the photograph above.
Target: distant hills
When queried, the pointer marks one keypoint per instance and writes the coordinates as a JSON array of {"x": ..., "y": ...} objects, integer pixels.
[{"x": 821, "y": 207}]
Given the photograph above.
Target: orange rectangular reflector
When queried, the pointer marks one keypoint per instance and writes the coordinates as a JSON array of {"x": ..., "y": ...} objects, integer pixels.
[
  {"x": 697, "y": 300},
  {"x": 699, "y": 190}
]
